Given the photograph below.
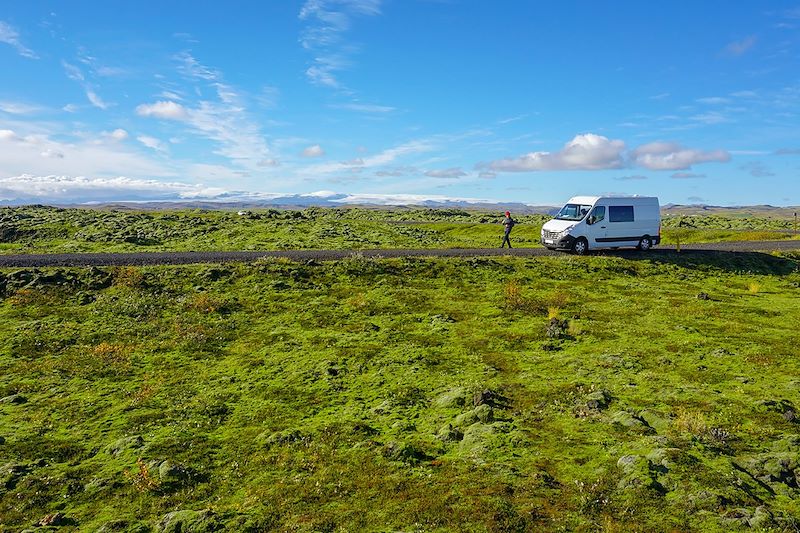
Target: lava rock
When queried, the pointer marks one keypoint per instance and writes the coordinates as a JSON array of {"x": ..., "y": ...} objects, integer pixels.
[
  {"x": 629, "y": 420},
  {"x": 14, "y": 399},
  {"x": 483, "y": 413},
  {"x": 448, "y": 433},
  {"x": 189, "y": 521},
  {"x": 125, "y": 443},
  {"x": 173, "y": 473},
  {"x": 598, "y": 400}
]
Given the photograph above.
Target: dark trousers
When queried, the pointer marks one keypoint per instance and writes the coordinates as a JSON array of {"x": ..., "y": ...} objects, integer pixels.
[{"x": 506, "y": 240}]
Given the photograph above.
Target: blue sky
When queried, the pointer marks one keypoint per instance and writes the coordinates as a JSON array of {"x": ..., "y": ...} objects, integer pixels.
[{"x": 396, "y": 100}]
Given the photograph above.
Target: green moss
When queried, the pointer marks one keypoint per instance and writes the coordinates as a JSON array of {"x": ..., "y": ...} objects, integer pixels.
[{"x": 374, "y": 394}]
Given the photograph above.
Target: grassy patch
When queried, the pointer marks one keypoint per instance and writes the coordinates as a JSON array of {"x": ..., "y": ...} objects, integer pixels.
[{"x": 39, "y": 229}]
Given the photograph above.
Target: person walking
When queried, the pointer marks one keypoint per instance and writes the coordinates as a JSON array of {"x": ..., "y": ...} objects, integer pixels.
[{"x": 508, "y": 223}]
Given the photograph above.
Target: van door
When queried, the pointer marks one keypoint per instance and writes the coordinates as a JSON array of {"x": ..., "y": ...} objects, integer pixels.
[
  {"x": 596, "y": 224},
  {"x": 621, "y": 226}
]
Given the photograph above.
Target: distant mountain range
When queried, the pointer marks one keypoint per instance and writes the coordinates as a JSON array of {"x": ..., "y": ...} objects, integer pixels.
[{"x": 374, "y": 201}]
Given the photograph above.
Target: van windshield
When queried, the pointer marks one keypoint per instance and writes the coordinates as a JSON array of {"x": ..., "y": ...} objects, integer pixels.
[{"x": 573, "y": 212}]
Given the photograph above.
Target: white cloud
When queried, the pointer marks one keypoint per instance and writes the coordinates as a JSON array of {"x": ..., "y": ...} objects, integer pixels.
[
  {"x": 110, "y": 72},
  {"x": 737, "y": 48},
  {"x": 27, "y": 188},
  {"x": 164, "y": 109},
  {"x": 19, "y": 108},
  {"x": 313, "y": 151},
  {"x": 52, "y": 154},
  {"x": 714, "y": 100},
  {"x": 73, "y": 72},
  {"x": 225, "y": 122},
  {"x": 192, "y": 68},
  {"x": 35, "y": 153},
  {"x": 635, "y": 177},
  {"x": 96, "y": 100},
  {"x": 268, "y": 163},
  {"x": 327, "y": 22},
  {"x": 584, "y": 152},
  {"x": 382, "y": 158},
  {"x": 170, "y": 95},
  {"x": 151, "y": 142},
  {"x": 117, "y": 135},
  {"x": 365, "y": 108},
  {"x": 713, "y": 117},
  {"x": 10, "y": 36},
  {"x": 70, "y": 108},
  {"x": 509, "y": 120},
  {"x": 55, "y": 188},
  {"x": 672, "y": 156},
  {"x": 446, "y": 173}
]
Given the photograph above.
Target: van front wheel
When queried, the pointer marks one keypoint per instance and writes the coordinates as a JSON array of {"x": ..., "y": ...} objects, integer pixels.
[
  {"x": 580, "y": 246},
  {"x": 645, "y": 243}
]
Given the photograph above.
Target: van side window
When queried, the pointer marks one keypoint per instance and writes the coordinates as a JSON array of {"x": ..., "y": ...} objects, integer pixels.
[
  {"x": 620, "y": 213},
  {"x": 598, "y": 214}
]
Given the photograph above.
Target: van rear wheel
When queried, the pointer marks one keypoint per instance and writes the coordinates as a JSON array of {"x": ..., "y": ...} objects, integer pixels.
[
  {"x": 580, "y": 246},
  {"x": 645, "y": 243}
]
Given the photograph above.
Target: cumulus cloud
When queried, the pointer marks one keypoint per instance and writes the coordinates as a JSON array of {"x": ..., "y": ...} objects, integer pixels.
[
  {"x": 10, "y": 36},
  {"x": 71, "y": 189},
  {"x": 313, "y": 151},
  {"x": 672, "y": 156},
  {"x": 52, "y": 154},
  {"x": 27, "y": 188},
  {"x": 164, "y": 109},
  {"x": 35, "y": 152},
  {"x": 446, "y": 173},
  {"x": 117, "y": 135},
  {"x": 583, "y": 152}
]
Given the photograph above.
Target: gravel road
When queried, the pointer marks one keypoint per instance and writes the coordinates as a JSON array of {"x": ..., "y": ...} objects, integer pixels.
[{"x": 185, "y": 258}]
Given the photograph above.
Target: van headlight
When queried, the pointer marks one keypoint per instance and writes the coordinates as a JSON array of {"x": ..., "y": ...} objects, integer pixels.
[{"x": 565, "y": 232}]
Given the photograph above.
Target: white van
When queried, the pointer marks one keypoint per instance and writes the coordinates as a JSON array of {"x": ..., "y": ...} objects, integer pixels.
[{"x": 594, "y": 222}]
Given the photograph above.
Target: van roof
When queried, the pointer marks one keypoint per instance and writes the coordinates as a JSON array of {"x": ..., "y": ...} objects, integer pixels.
[{"x": 590, "y": 200}]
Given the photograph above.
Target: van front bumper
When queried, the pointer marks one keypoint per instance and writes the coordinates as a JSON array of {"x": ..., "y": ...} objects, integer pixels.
[{"x": 564, "y": 243}]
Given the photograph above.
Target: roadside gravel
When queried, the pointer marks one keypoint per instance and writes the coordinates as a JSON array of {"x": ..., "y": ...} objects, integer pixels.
[{"x": 184, "y": 258}]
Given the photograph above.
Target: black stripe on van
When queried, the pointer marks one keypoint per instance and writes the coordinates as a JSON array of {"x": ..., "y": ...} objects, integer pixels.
[{"x": 617, "y": 239}]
